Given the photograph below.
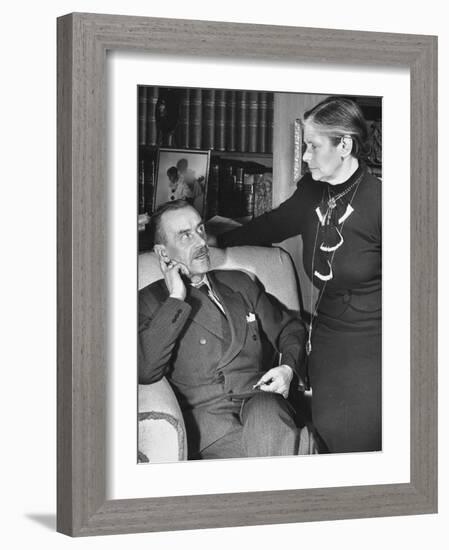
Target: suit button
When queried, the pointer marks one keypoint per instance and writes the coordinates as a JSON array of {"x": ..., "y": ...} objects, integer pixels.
[
  {"x": 203, "y": 341},
  {"x": 346, "y": 297},
  {"x": 254, "y": 337}
]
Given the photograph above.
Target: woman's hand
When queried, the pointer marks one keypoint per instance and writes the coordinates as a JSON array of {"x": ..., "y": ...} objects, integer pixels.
[
  {"x": 276, "y": 380},
  {"x": 211, "y": 240}
]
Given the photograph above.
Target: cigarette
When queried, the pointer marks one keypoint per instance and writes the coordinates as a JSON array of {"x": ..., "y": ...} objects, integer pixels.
[{"x": 267, "y": 383}]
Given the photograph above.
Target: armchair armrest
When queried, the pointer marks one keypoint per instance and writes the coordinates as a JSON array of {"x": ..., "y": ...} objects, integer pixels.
[{"x": 162, "y": 433}]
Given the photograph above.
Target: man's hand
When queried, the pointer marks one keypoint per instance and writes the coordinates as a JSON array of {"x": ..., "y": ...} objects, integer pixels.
[
  {"x": 277, "y": 380},
  {"x": 172, "y": 271}
]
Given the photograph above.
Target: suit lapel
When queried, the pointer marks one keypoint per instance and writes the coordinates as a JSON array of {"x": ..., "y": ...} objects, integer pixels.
[
  {"x": 205, "y": 313},
  {"x": 236, "y": 314}
]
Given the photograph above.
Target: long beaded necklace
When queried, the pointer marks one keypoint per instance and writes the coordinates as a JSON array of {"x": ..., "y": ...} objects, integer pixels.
[{"x": 331, "y": 204}]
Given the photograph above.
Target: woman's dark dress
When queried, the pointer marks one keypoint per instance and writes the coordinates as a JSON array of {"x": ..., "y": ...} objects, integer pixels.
[{"x": 345, "y": 363}]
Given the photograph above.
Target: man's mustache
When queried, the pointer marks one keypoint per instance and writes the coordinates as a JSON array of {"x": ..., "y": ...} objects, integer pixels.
[{"x": 201, "y": 251}]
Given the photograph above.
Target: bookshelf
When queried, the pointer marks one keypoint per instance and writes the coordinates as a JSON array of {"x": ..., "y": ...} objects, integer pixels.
[
  {"x": 234, "y": 126},
  {"x": 249, "y": 136}
]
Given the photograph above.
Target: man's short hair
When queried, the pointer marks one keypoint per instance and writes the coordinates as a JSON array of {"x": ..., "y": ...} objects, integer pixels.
[{"x": 156, "y": 231}]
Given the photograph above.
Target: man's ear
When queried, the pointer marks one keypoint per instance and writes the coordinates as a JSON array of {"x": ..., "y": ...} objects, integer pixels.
[
  {"x": 161, "y": 252},
  {"x": 346, "y": 146}
]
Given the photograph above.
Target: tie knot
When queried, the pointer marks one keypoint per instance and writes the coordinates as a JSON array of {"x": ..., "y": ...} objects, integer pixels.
[{"x": 203, "y": 288}]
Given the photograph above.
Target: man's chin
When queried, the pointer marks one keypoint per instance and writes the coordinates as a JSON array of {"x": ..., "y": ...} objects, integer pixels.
[{"x": 201, "y": 265}]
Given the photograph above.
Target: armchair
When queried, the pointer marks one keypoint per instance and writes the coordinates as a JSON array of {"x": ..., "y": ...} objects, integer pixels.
[{"x": 162, "y": 434}]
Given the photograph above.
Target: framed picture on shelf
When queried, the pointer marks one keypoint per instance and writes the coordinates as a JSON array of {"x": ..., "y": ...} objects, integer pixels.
[
  {"x": 182, "y": 174},
  {"x": 102, "y": 486}
]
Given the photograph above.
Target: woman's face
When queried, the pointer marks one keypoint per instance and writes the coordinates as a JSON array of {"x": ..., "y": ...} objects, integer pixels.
[{"x": 324, "y": 159}]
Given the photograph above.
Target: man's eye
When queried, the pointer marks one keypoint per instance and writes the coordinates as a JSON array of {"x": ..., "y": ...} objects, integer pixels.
[{"x": 186, "y": 236}]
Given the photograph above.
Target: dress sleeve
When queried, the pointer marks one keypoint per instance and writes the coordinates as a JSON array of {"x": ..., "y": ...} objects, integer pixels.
[{"x": 272, "y": 227}]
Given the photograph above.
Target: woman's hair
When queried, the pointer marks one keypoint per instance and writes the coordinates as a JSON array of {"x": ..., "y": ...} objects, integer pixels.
[
  {"x": 338, "y": 117},
  {"x": 172, "y": 172}
]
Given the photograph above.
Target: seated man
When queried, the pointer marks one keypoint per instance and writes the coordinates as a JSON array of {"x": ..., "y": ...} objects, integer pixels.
[{"x": 203, "y": 331}]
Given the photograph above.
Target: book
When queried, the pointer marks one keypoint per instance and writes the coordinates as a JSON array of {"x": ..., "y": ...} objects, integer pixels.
[
  {"x": 208, "y": 133},
  {"x": 231, "y": 120},
  {"x": 226, "y": 191},
  {"x": 196, "y": 118},
  {"x": 151, "y": 128},
  {"x": 219, "y": 224},
  {"x": 270, "y": 112},
  {"x": 262, "y": 193},
  {"x": 184, "y": 119},
  {"x": 239, "y": 179},
  {"x": 248, "y": 195},
  {"x": 220, "y": 120},
  {"x": 212, "y": 190},
  {"x": 242, "y": 121},
  {"x": 262, "y": 123},
  {"x": 253, "y": 108},
  {"x": 238, "y": 199},
  {"x": 142, "y": 114}
]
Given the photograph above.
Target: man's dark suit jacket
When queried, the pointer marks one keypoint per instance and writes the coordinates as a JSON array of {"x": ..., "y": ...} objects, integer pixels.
[{"x": 208, "y": 357}]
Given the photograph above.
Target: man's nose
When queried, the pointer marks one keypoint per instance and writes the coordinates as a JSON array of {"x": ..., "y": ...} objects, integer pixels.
[
  {"x": 306, "y": 156},
  {"x": 201, "y": 239}
]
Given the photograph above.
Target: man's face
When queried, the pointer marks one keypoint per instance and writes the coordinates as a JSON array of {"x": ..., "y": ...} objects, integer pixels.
[{"x": 185, "y": 239}]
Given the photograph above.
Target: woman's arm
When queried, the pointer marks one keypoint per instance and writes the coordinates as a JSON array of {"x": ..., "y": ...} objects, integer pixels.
[{"x": 272, "y": 227}]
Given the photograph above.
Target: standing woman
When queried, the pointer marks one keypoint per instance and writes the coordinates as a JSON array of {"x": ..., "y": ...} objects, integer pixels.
[{"x": 337, "y": 210}]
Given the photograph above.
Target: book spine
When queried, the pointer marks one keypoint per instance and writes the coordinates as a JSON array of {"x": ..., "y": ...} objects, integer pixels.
[
  {"x": 151, "y": 129},
  {"x": 195, "y": 118},
  {"x": 270, "y": 111},
  {"x": 220, "y": 120},
  {"x": 212, "y": 190},
  {"x": 239, "y": 179},
  {"x": 141, "y": 186},
  {"x": 148, "y": 184},
  {"x": 262, "y": 193},
  {"x": 208, "y": 141},
  {"x": 242, "y": 121},
  {"x": 226, "y": 191},
  {"x": 184, "y": 119},
  {"x": 253, "y": 108},
  {"x": 268, "y": 182},
  {"x": 248, "y": 195},
  {"x": 231, "y": 120},
  {"x": 142, "y": 97},
  {"x": 238, "y": 191},
  {"x": 262, "y": 123}
]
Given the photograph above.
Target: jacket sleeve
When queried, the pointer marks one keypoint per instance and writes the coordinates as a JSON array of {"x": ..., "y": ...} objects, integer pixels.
[
  {"x": 272, "y": 227},
  {"x": 160, "y": 325}
]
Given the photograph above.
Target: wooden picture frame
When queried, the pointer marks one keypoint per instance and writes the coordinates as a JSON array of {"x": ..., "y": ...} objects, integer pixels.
[
  {"x": 83, "y": 41},
  {"x": 196, "y": 191}
]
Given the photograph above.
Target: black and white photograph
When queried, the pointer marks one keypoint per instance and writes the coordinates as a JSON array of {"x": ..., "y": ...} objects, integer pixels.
[
  {"x": 131, "y": 421},
  {"x": 260, "y": 308},
  {"x": 182, "y": 174}
]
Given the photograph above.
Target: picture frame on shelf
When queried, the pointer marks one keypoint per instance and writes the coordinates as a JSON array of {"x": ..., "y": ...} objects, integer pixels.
[
  {"x": 85, "y": 506},
  {"x": 182, "y": 174}
]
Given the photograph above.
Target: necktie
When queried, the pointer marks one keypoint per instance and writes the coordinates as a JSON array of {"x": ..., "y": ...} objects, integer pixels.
[{"x": 207, "y": 291}]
